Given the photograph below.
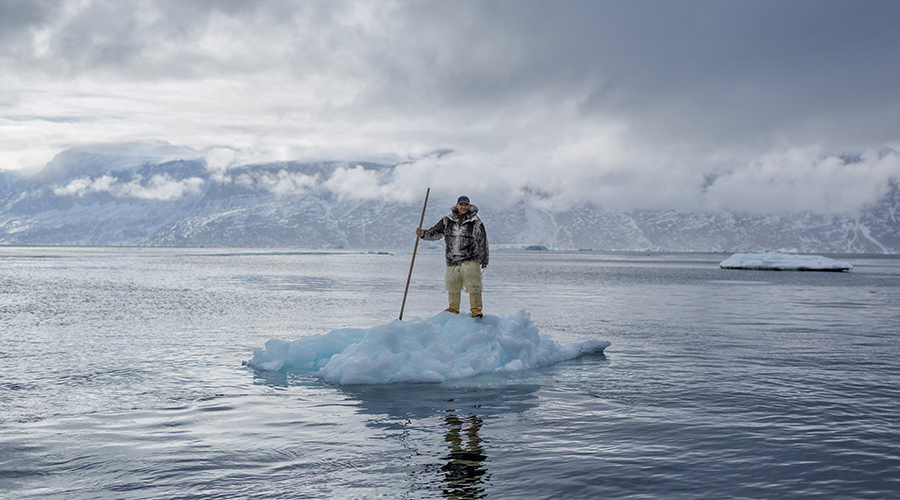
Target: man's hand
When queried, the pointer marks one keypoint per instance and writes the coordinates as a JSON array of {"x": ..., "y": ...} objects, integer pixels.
[{"x": 420, "y": 232}]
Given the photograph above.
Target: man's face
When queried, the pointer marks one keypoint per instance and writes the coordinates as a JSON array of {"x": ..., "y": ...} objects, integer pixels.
[{"x": 462, "y": 207}]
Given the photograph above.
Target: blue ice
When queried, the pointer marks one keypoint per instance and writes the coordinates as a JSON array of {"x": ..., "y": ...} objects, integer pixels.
[{"x": 443, "y": 347}]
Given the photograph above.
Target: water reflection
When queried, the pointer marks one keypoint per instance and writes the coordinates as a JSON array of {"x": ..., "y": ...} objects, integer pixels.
[
  {"x": 271, "y": 379},
  {"x": 448, "y": 423},
  {"x": 464, "y": 472},
  {"x": 442, "y": 426}
]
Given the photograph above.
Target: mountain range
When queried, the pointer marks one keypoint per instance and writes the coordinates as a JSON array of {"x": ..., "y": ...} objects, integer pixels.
[{"x": 156, "y": 194}]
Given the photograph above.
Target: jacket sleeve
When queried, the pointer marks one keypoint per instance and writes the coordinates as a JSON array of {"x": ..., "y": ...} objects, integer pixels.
[
  {"x": 436, "y": 232},
  {"x": 481, "y": 243}
]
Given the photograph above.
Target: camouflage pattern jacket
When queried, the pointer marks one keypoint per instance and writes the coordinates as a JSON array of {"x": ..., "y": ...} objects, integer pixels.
[{"x": 464, "y": 237}]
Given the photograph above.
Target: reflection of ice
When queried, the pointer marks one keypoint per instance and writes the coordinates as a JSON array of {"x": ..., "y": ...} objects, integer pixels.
[
  {"x": 464, "y": 471},
  {"x": 443, "y": 347},
  {"x": 494, "y": 395}
]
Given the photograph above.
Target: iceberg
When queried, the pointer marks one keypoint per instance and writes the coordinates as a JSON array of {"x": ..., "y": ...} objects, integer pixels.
[
  {"x": 443, "y": 347},
  {"x": 777, "y": 261}
]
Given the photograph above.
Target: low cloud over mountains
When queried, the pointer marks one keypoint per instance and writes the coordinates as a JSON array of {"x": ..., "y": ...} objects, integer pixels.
[{"x": 159, "y": 194}]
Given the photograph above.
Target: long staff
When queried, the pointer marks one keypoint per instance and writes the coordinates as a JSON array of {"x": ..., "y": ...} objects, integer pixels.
[{"x": 415, "y": 248}]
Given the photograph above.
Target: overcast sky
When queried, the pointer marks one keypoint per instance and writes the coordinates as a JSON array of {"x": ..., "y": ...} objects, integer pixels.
[{"x": 689, "y": 105}]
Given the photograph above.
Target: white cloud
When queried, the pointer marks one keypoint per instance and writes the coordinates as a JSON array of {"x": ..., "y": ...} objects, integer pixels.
[
  {"x": 83, "y": 186},
  {"x": 286, "y": 183},
  {"x": 160, "y": 187},
  {"x": 803, "y": 179},
  {"x": 218, "y": 161},
  {"x": 361, "y": 184}
]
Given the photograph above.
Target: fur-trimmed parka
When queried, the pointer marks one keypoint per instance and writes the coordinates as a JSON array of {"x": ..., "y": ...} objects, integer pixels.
[{"x": 464, "y": 237}]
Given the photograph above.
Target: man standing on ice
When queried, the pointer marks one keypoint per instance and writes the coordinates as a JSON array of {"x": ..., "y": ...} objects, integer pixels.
[{"x": 466, "y": 252}]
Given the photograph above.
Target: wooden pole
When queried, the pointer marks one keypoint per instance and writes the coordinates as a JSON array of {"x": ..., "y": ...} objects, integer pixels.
[{"x": 415, "y": 248}]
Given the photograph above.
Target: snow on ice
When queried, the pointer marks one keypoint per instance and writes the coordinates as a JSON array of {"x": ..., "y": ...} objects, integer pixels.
[
  {"x": 777, "y": 261},
  {"x": 443, "y": 347}
]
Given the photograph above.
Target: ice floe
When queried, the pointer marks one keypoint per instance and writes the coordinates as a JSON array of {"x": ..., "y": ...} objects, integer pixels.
[
  {"x": 777, "y": 261},
  {"x": 442, "y": 347}
]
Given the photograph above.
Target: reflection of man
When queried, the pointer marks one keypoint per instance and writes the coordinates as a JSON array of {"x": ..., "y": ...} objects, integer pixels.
[
  {"x": 466, "y": 251},
  {"x": 464, "y": 468}
]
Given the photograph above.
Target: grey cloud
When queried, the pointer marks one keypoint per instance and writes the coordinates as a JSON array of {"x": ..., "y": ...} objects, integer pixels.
[
  {"x": 166, "y": 38},
  {"x": 19, "y": 16},
  {"x": 723, "y": 71},
  {"x": 590, "y": 100},
  {"x": 711, "y": 73},
  {"x": 677, "y": 66}
]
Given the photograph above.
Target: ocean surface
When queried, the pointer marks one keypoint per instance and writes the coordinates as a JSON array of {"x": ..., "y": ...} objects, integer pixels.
[{"x": 123, "y": 377}]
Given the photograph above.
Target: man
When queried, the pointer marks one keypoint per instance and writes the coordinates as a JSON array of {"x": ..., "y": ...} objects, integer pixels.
[{"x": 466, "y": 250}]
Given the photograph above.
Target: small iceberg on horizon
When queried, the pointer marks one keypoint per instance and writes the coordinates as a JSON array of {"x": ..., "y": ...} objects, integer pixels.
[
  {"x": 443, "y": 347},
  {"x": 777, "y": 261}
]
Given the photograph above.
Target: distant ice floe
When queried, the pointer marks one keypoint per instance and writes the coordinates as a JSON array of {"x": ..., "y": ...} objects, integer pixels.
[
  {"x": 777, "y": 261},
  {"x": 443, "y": 347}
]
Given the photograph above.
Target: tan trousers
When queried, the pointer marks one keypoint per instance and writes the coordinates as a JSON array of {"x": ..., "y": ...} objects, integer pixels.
[{"x": 466, "y": 275}]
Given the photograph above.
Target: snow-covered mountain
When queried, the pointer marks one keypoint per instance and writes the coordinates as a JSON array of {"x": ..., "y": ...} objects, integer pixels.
[{"x": 158, "y": 194}]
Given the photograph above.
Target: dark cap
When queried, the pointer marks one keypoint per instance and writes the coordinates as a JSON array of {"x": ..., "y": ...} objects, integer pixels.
[{"x": 463, "y": 199}]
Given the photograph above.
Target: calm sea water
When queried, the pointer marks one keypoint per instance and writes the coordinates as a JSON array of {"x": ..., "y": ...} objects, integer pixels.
[{"x": 122, "y": 378}]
